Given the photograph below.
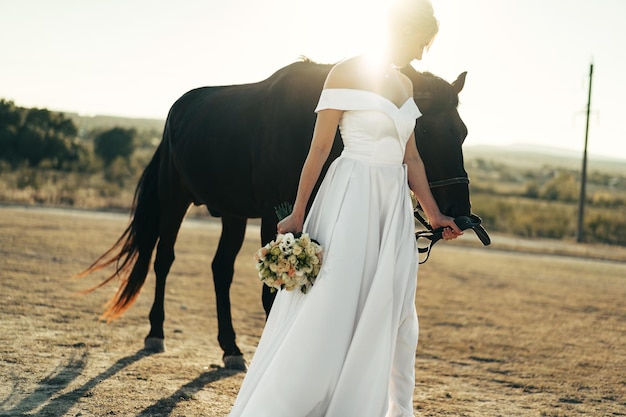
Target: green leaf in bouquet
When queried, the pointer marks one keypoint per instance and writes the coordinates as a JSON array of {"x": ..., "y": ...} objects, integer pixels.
[{"x": 283, "y": 210}]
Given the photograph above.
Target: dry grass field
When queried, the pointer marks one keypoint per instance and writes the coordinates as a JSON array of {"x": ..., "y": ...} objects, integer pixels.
[{"x": 502, "y": 333}]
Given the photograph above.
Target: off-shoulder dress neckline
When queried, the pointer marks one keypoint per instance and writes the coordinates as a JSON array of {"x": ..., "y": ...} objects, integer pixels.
[{"x": 398, "y": 107}]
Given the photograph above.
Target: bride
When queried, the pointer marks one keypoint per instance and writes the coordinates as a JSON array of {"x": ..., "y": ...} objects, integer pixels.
[{"x": 346, "y": 348}]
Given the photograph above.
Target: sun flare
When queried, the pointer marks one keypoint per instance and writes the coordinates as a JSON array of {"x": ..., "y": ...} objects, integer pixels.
[{"x": 339, "y": 29}]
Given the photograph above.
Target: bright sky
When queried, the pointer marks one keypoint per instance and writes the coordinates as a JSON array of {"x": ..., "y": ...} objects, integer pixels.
[{"x": 527, "y": 61}]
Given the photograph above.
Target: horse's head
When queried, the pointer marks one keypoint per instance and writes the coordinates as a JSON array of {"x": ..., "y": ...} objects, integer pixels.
[{"x": 440, "y": 134}]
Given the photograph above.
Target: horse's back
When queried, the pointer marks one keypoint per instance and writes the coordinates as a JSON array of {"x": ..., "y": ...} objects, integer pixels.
[
  {"x": 227, "y": 141},
  {"x": 234, "y": 112}
]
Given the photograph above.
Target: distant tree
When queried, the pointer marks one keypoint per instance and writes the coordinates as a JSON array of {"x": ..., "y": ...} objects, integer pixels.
[
  {"x": 63, "y": 148},
  {"x": 115, "y": 143},
  {"x": 45, "y": 135},
  {"x": 10, "y": 120}
]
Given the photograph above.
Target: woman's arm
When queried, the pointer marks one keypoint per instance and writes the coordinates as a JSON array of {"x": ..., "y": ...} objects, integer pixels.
[
  {"x": 340, "y": 76},
  {"x": 419, "y": 184},
  {"x": 323, "y": 137}
]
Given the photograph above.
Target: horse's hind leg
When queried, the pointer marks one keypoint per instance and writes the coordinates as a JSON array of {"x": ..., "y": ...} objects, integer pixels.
[
  {"x": 268, "y": 233},
  {"x": 173, "y": 210},
  {"x": 233, "y": 233}
]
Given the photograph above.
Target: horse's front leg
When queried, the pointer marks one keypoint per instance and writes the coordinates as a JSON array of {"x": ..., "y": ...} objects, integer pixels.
[
  {"x": 233, "y": 233},
  {"x": 268, "y": 233}
]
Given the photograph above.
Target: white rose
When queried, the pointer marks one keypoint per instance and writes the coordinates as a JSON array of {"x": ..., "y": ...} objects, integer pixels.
[{"x": 287, "y": 243}]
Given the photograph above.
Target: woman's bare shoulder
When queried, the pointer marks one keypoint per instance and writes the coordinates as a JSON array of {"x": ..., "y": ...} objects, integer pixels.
[
  {"x": 364, "y": 73},
  {"x": 349, "y": 73}
]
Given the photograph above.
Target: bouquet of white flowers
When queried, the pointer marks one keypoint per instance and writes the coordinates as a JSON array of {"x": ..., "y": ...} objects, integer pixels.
[{"x": 289, "y": 261}]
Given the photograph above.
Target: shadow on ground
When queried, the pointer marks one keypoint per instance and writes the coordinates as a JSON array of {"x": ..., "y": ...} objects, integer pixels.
[{"x": 61, "y": 377}]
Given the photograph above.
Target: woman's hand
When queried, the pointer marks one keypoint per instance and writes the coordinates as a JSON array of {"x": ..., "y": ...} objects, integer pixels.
[
  {"x": 291, "y": 223},
  {"x": 450, "y": 229}
]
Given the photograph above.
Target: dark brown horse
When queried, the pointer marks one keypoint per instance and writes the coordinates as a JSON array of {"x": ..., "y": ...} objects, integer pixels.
[{"x": 239, "y": 150}]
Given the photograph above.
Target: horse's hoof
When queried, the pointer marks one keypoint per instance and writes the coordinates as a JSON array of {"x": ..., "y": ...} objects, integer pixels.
[
  {"x": 235, "y": 362},
  {"x": 154, "y": 345}
]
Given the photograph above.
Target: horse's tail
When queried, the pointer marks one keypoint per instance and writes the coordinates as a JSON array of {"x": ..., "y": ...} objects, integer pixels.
[{"x": 132, "y": 252}]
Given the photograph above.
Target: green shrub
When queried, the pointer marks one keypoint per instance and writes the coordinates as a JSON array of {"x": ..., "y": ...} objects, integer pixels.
[
  {"x": 563, "y": 187},
  {"x": 28, "y": 177},
  {"x": 532, "y": 189},
  {"x": 606, "y": 228},
  {"x": 117, "y": 171}
]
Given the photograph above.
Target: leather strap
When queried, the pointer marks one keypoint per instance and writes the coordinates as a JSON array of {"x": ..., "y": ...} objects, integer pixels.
[{"x": 433, "y": 236}]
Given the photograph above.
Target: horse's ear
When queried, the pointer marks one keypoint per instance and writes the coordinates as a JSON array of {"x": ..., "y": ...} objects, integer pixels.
[{"x": 460, "y": 82}]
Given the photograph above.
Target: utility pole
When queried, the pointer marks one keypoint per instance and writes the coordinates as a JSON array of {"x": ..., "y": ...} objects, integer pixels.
[{"x": 583, "y": 176}]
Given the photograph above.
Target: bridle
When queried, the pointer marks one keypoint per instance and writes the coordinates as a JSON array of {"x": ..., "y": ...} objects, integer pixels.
[
  {"x": 463, "y": 222},
  {"x": 449, "y": 181}
]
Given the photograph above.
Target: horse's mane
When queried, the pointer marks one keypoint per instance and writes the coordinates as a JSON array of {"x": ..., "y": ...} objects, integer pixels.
[
  {"x": 307, "y": 60},
  {"x": 302, "y": 68}
]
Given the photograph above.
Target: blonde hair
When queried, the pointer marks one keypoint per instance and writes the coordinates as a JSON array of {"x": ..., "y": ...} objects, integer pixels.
[{"x": 414, "y": 16}]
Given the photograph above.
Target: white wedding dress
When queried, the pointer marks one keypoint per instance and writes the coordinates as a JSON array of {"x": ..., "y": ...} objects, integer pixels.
[{"x": 347, "y": 347}]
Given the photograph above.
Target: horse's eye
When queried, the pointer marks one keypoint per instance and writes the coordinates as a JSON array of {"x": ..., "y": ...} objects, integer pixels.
[{"x": 423, "y": 130}]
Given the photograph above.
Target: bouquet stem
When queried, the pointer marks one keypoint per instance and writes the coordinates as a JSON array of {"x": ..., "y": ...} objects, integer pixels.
[{"x": 283, "y": 210}]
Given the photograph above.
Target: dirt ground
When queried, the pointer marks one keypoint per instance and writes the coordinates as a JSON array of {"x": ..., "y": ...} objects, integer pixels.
[{"x": 502, "y": 333}]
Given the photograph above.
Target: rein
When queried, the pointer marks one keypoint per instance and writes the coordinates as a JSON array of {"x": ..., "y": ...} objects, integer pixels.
[
  {"x": 463, "y": 222},
  {"x": 434, "y": 235}
]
